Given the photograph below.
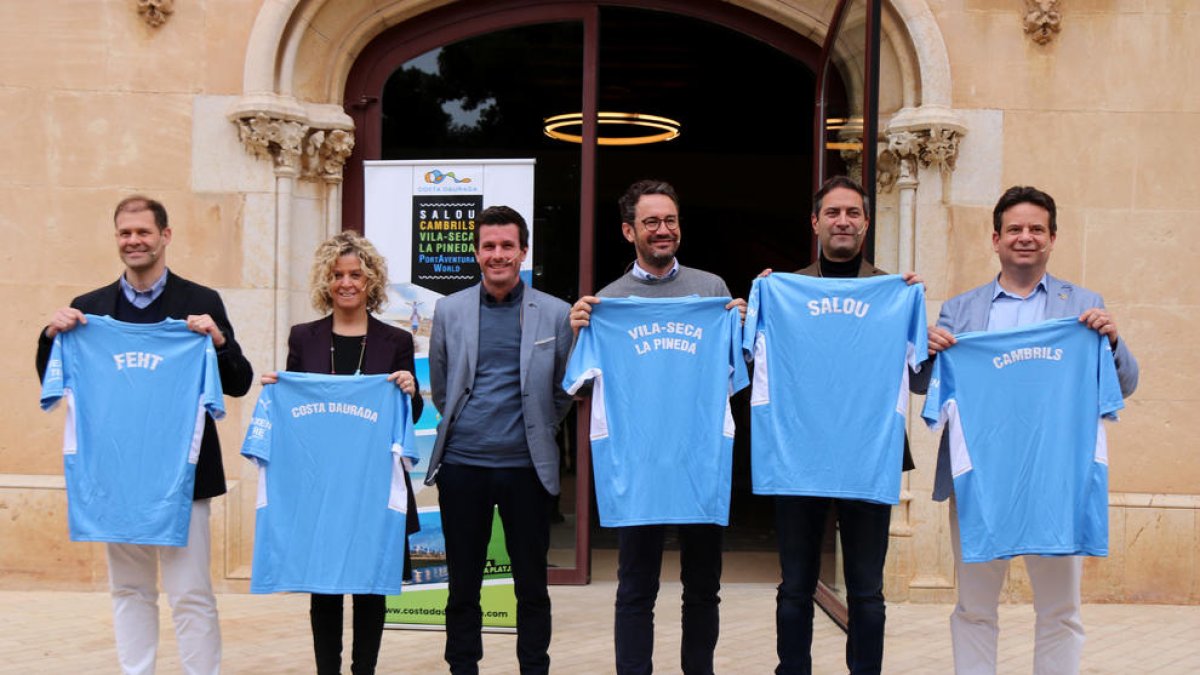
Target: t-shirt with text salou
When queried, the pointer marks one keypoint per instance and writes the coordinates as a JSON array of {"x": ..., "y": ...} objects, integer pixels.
[
  {"x": 661, "y": 429},
  {"x": 331, "y": 493},
  {"x": 830, "y": 389},
  {"x": 1023, "y": 410},
  {"x": 136, "y": 396}
]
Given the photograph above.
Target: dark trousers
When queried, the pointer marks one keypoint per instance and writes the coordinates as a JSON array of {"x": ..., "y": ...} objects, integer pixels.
[
  {"x": 325, "y": 613},
  {"x": 467, "y": 495},
  {"x": 800, "y": 522},
  {"x": 638, "y": 568}
]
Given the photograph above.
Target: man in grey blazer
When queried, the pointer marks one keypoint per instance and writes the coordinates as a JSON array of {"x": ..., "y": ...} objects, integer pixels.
[
  {"x": 1024, "y": 230},
  {"x": 497, "y": 355}
]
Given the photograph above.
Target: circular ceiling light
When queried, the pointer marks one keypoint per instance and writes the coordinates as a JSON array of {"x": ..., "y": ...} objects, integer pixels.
[{"x": 666, "y": 127}]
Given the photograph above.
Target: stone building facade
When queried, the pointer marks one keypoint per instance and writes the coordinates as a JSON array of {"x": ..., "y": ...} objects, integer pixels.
[{"x": 231, "y": 112}]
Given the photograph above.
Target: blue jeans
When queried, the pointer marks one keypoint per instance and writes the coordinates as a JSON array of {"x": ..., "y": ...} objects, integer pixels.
[
  {"x": 800, "y": 522},
  {"x": 638, "y": 568}
]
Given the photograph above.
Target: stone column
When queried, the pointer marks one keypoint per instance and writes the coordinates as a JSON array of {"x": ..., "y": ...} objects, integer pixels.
[
  {"x": 919, "y": 160},
  {"x": 325, "y": 154},
  {"x": 279, "y": 140},
  {"x": 303, "y": 142}
]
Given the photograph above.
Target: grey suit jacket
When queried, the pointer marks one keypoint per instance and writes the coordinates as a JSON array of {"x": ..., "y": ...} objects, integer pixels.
[
  {"x": 969, "y": 312},
  {"x": 545, "y": 344}
]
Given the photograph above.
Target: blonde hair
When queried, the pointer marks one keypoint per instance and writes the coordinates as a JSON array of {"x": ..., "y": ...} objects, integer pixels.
[{"x": 374, "y": 270}]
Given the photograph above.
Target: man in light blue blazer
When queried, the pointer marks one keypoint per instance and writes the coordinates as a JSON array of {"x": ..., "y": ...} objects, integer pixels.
[
  {"x": 497, "y": 355},
  {"x": 1024, "y": 230}
]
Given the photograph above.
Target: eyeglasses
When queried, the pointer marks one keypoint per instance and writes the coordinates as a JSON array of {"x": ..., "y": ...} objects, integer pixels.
[{"x": 652, "y": 224}]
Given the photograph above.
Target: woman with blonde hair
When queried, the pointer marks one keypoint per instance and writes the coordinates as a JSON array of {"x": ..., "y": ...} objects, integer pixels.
[{"x": 349, "y": 283}]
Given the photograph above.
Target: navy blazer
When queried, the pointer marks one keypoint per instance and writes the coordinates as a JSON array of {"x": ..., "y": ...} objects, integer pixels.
[
  {"x": 388, "y": 349},
  {"x": 969, "y": 312},
  {"x": 181, "y": 298}
]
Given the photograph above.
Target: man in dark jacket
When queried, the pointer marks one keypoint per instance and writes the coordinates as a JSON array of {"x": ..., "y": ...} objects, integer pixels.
[{"x": 148, "y": 293}]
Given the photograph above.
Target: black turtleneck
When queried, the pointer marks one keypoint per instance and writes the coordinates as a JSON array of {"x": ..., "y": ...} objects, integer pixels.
[{"x": 847, "y": 269}]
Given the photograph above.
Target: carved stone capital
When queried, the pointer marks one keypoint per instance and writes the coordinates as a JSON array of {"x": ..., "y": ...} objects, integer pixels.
[
  {"x": 852, "y": 158},
  {"x": 897, "y": 163},
  {"x": 940, "y": 149},
  {"x": 274, "y": 138},
  {"x": 325, "y": 153},
  {"x": 304, "y": 140},
  {"x": 155, "y": 12},
  {"x": 1042, "y": 19}
]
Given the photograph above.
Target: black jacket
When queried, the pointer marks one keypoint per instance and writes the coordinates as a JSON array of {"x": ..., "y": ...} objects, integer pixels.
[{"x": 181, "y": 298}]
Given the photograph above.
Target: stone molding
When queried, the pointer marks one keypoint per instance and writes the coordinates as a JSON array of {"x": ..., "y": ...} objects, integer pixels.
[
  {"x": 1042, "y": 19},
  {"x": 306, "y": 142},
  {"x": 925, "y": 137},
  {"x": 155, "y": 12}
]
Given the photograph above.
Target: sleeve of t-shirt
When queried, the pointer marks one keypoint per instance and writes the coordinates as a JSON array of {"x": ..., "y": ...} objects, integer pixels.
[
  {"x": 1110, "y": 398},
  {"x": 53, "y": 383},
  {"x": 584, "y": 364},
  {"x": 403, "y": 434},
  {"x": 257, "y": 446},
  {"x": 212, "y": 397},
  {"x": 753, "y": 306},
  {"x": 932, "y": 412},
  {"x": 918, "y": 333},
  {"x": 739, "y": 380}
]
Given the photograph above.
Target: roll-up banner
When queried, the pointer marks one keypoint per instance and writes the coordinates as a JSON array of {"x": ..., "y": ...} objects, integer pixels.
[{"x": 420, "y": 214}]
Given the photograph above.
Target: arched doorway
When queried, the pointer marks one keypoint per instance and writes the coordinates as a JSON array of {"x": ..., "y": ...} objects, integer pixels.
[
  {"x": 475, "y": 81},
  {"x": 301, "y": 59}
]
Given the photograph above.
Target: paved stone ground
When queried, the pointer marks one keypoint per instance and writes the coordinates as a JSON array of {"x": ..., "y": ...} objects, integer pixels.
[{"x": 51, "y": 632}]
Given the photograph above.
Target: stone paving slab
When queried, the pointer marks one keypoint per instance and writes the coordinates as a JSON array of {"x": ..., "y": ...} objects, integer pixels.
[{"x": 52, "y": 632}]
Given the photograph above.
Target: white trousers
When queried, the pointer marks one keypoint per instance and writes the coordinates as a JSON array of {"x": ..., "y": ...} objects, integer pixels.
[
  {"x": 974, "y": 624},
  {"x": 133, "y": 578}
]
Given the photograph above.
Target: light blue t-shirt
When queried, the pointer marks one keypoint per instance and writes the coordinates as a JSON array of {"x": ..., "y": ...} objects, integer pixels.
[
  {"x": 331, "y": 493},
  {"x": 1028, "y": 450},
  {"x": 830, "y": 390},
  {"x": 661, "y": 429},
  {"x": 136, "y": 396}
]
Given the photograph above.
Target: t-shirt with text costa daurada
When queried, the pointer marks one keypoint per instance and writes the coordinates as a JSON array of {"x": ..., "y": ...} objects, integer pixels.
[{"x": 331, "y": 493}]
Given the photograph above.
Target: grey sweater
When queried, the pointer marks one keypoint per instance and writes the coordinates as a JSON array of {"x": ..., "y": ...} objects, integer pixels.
[{"x": 688, "y": 281}]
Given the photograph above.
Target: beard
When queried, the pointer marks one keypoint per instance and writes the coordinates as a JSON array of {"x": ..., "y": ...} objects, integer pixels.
[{"x": 659, "y": 258}]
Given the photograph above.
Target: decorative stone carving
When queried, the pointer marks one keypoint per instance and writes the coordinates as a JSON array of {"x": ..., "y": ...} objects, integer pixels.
[
  {"x": 325, "y": 154},
  {"x": 852, "y": 158},
  {"x": 155, "y": 12},
  {"x": 899, "y": 160},
  {"x": 940, "y": 149},
  {"x": 887, "y": 170},
  {"x": 936, "y": 146},
  {"x": 1042, "y": 20},
  {"x": 295, "y": 147},
  {"x": 905, "y": 144},
  {"x": 277, "y": 139}
]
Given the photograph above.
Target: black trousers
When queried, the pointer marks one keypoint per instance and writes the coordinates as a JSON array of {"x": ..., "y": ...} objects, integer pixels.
[
  {"x": 467, "y": 495},
  {"x": 800, "y": 522},
  {"x": 639, "y": 566},
  {"x": 325, "y": 613}
]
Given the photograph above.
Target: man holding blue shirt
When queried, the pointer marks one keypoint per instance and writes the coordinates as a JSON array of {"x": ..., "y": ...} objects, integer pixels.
[
  {"x": 497, "y": 354},
  {"x": 1025, "y": 227}
]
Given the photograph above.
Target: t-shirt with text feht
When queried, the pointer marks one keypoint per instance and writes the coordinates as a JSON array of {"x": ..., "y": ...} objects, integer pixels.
[{"x": 136, "y": 396}]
